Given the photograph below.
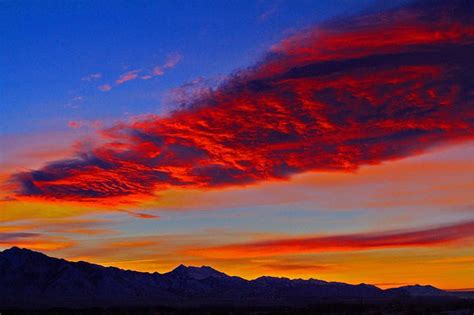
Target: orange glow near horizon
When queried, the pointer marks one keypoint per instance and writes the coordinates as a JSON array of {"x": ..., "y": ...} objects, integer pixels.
[{"x": 451, "y": 263}]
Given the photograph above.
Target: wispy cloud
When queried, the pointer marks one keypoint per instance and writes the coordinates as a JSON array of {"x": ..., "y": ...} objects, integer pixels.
[
  {"x": 93, "y": 124},
  {"x": 74, "y": 102},
  {"x": 140, "y": 215},
  {"x": 294, "y": 267},
  {"x": 433, "y": 236},
  {"x": 15, "y": 235},
  {"x": 74, "y": 124},
  {"x": 128, "y": 76},
  {"x": 34, "y": 241},
  {"x": 158, "y": 71},
  {"x": 92, "y": 77},
  {"x": 332, "y": 98},
  {"x": 105, "y": 87},
  {"x": 171, "y": 62}
]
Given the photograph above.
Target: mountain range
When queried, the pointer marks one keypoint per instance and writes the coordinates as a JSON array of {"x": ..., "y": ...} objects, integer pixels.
[{"x": 30, "y": 279}]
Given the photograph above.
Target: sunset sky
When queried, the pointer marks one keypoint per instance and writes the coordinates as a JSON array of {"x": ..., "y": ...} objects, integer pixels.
[{"x": 302, "y": 139}]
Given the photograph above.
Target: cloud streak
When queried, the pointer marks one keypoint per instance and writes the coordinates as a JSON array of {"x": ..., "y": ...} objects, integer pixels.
[
  {"x": 34, "y": 241},
  {"x": 105, "y": 87},
  {"x": 171, "y": 62},
  {"x": 362, "y": 91},
  {"x": 128, "y": 76},
  {"x": 92, "y": 77},
  {"x": 349, "y": 242}
]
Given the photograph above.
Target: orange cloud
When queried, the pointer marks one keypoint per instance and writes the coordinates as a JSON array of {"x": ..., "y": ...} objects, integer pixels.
[
  {"x": 34, "y": 241},
  {"x": 293, "y": 267}
]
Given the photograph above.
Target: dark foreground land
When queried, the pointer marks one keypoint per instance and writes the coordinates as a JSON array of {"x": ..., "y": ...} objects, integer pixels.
[
  {"x": 415, "y": 306},
  {"x": 33, "y": 283}
]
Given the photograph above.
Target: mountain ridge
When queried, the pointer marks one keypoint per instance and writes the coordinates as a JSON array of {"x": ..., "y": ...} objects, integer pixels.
[{"x": 40, "y": 281}]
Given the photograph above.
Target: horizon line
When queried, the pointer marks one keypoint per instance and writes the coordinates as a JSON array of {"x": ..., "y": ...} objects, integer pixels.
[{"x": 244, "y": 278}]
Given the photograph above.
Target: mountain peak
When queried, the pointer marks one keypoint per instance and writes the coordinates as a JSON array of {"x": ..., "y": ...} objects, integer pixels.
[
  {"x": 420, "y": 290},
  {"x": 180, "y": 267},
  {"x": 197, "y": 273},
  {"x": 16, "y": 251},
  {"x": 19, "y": 255}
]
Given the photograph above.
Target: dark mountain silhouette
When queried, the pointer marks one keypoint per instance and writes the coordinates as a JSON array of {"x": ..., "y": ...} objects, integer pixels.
[
  {"x": 419, "y": 290},
  {"x": 31, "y": 279}
]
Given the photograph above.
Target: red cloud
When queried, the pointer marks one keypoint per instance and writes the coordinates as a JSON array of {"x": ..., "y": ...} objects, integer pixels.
[
  {"x": 374, "y": 88},
  {"x": 349, "y": 242},
  {"x": 74, "y": 124}
]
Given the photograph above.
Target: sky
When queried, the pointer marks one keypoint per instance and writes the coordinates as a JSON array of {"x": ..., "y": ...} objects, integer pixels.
[{"x": 302, "y": 139}]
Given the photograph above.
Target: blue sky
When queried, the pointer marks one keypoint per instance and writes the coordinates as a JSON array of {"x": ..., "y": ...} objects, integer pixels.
[{"x": 50, "y": 45}]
